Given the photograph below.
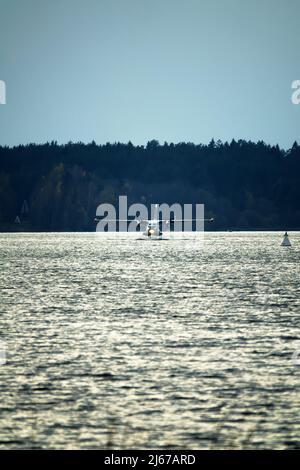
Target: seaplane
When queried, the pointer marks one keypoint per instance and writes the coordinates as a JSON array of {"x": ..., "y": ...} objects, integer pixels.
[{"x": 154, "y": 229}]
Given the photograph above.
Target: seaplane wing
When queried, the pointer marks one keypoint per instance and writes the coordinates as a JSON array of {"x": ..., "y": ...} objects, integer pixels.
[
  {"x": 117, "y": 220},
  {"x": 188, "y": 220},
  {"x": 160, "y": 221},
  {"x": 138, "y": 222},
  {"x": 143, "y": 221}
]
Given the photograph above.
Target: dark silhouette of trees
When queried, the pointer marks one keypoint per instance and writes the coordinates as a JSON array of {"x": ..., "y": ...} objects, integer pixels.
[{"x": 244, "y": 185}]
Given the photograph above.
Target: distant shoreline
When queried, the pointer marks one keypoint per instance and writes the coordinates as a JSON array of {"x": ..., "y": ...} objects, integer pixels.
[
  {"x": 235, "y": 230},
  {"x": 244, "y": 186}
]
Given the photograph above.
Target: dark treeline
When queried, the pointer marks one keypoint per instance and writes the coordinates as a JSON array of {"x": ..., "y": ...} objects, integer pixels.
[{"x": 244, "y": 185}]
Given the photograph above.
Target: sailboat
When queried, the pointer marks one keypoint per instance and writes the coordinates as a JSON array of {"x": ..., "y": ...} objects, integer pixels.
[{"x": 286, "y": 240}]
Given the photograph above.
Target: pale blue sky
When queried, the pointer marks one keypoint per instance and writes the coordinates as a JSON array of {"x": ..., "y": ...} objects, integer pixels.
[{"x": 174, "y": 70}]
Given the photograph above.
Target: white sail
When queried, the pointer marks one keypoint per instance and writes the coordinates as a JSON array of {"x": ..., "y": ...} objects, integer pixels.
[{"x": 286, "y": 240}]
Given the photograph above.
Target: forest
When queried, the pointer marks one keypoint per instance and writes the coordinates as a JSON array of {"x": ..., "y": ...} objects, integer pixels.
[{"x": 244, "y": 185}]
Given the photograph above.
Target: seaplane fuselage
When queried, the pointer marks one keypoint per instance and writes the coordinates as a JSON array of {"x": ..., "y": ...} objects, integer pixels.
[{"x": 153, "y": 229}]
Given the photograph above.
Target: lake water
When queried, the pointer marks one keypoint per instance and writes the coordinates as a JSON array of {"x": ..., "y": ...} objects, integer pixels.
[{"x": 132, "y": 344}]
